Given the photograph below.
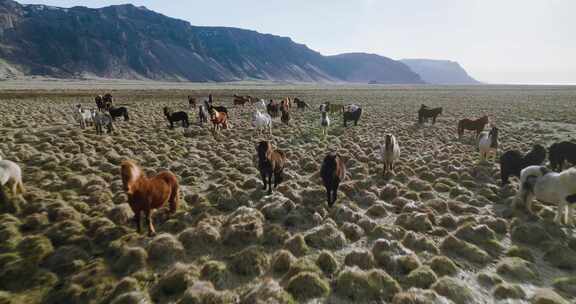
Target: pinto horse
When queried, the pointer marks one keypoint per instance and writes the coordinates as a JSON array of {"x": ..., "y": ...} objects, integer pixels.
[
  {"x": 270, "y": 163},
  {"x": 474, "y": 125},
  {"x": 148, "y": 193},
  {"x": 425, "y": 113}
]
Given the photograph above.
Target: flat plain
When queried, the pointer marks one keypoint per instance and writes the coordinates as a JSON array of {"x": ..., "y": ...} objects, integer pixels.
[{"x": 441, "y": 230}]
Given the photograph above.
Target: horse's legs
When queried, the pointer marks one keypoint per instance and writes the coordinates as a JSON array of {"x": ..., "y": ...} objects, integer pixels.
[
  {"x": 137, "y": 220},
  {"x": 151, "y": 230},
  {"x": 263, "y": 179},
  {"x": 570, "y": 220},
  {"x": 335, "y": 193},
  {"x": 385, "y": 168},
  {"x": 270, "y": 183},
  {"x": 328, "y": 195}
]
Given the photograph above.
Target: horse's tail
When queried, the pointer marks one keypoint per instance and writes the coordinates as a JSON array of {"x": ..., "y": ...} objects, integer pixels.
[
  {"x": 174, "y": 195},
  {"x": 126, "y": 117}
]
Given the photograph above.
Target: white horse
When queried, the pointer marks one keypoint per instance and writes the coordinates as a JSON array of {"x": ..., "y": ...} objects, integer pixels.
[
  {"x": 389, "y": 153},
  {"x": 488, "y": 143},
  {"x": 324, "y": 123},
  {"x": 85, "y": 116},
  {"x": 550, "y": 187},
  {"x": 262, "y": 121},
  {"x": 260, "y": 105},
  {"x": 10, "y": 172}
]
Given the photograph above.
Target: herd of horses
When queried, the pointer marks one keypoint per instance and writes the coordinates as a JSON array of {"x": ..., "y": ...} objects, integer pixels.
[{"x": 146, "y": 193}]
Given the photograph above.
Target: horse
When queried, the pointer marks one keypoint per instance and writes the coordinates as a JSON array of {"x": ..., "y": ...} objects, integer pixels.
[
  {"x": 324, "y": 123},
  {"x": 560, "y": 153},
  {"x": 148, "y": 193},
  {"x": 488, "y": 143},
  {"x": 262, "y": 121},
  {"x": 512, "y": 162},
  {"x": 10, "y": 173},
  {"x": 352, "y": 115},
  {"x": 202, "y": 114},
  {"x": 84, "y": 116},
  {"x": 474, "y": 125},
  {"x": 285, "y": 116},
  {"x": 332, "y": 172},
  {"x": 287, "y": 102},
  {"x": 241, "y": 100},
  {"x": 219, "y": 120},
  {"x": 191, "y": 102},
  {"x": 260, "y": 105},
  {"x": 425, "y": 113},
  {"x": 103, "y": 120},
  {"x": 273, "y": 108},
  {"x": 107, "y": 99},
  {"x": 177, "y": 116},
  {"x": 118, "y": 112},
  {"x": 211, "y": 107},
  {"x": 100, "y": 103},
  {"x": 389, "y": 153},
  {"x": 549, "y": 187},
  {"x": 271, "y": 162},
  {"x": 300, "y": 104}
]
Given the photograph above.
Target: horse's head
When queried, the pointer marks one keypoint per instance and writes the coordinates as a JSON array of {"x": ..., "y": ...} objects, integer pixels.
[
  {"x": 389, "y": 140},
  {"x": 130, "y": 173},
  {"x": 166, "y": 111}
]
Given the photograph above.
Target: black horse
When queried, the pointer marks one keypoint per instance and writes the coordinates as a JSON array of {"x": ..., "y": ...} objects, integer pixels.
[
  {"x": 352, "y": 116},
  {"x": 118, "y": 112},
  {"x": 177, "y": 116},
  {"x": 561, "y": 152},
  {"x": 333, "y": 171},
  {"x": 425, "y": 113},
  {"x": 100, "y": 103}
]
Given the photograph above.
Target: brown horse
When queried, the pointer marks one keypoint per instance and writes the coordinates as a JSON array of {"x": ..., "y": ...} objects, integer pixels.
[
  {"x": 241, "y": 100},
  {"x": 333, "y": 172},
  {"x": 219, "y": 120},
  {"x": 273, "y": 108},
  {"x": 474, "y": 125},
  {"x": 285, "y": 117},
  {"x": 191, "y": 102},
  {"x": 300, "y": 103},
  {"x": 148, "y": 193},
  {"x": 287, "y": 102},
  {"x": 270, "y": 162}
]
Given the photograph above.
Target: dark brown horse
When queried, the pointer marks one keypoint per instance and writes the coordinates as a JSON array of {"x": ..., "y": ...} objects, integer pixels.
[
  {"x": 300, "y": 104},
  {"x": 191, "y": 102},
  {"x": 108, "y": 101},
  {"x": 273, "y": 108},
  {"x": 270, "y": 163},
  {"x": 148, "y": 193},
  {"x": 100, "y": 103},
  {"x": 425, "y": 113},
  {"x": 285, "y": 117},
  {"x": 473, "y": 125},
  {"x": 241, "y": 100},
  {"x": 333, "y": 172}
]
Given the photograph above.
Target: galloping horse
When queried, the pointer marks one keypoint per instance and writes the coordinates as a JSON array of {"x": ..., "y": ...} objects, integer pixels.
[
  {"x": 148, "y": 193},
  {"x": 474, "y": 125}
]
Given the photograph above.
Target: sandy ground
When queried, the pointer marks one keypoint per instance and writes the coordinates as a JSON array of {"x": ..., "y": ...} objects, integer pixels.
[{"x": 441, "y": 230}]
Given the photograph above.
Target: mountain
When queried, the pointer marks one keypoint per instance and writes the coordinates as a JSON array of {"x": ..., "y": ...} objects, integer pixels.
[
  {"x": 132, "y": 42},
  {"x": 440, "y": 71}
]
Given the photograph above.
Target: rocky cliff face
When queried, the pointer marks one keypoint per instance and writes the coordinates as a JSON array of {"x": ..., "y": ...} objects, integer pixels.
[
  {"x": 440, "y": 71},
  {"x": 135, "y": 43}
]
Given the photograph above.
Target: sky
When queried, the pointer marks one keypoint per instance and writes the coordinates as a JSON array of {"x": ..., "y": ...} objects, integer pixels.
[{"x": 496, "y": 41}]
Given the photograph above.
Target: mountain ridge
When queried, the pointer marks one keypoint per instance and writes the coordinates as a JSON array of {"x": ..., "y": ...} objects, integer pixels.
[{"x": 130, "y": 42}]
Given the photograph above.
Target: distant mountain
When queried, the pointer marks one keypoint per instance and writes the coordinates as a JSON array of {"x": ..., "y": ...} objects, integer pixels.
[
  {"x": 132, "y": 42},
  {"x": 440, "y": 71}
]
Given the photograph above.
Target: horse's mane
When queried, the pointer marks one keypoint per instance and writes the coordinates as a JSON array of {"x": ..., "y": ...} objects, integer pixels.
[{"x": 130, "y": 173}]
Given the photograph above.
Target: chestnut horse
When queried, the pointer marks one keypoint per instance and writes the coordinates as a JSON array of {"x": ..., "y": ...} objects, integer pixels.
[
  {"x": 148, "y": 193},
  {"x": 219, "y": 120},
  {"x": 474, "y": 125}
]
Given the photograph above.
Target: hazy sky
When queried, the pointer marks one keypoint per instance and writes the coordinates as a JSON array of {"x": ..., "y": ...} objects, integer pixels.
[{"x": 496, "y": 41}]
